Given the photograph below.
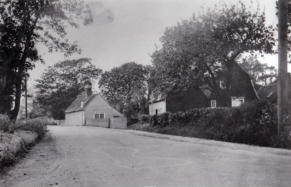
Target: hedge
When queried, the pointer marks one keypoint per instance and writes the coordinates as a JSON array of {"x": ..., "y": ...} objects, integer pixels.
[
  {"x": 37, "y": 125},
  {"x": 25, "y": 134},
  {"x": 253, "y": 123},
  {"x": 4, "y": 123}
]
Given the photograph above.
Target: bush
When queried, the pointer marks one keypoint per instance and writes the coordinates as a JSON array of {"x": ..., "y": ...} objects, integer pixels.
[
  {"x": 131, "y": 121},
  {"x": 10, "y": 145},
  {"x": 253, "y": 123},
  {"x": 4, "y": 123},
  {"x": 143, "y": 118},
  {"x": 37, "y": 125}
]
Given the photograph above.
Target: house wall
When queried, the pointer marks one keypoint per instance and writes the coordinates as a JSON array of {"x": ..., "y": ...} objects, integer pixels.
[
  {"x": 186, "y": 100},
  {"x": 74, "y": 118},
  {"x": 159, "y": 106},
  {"x": 99, "y": 105}
]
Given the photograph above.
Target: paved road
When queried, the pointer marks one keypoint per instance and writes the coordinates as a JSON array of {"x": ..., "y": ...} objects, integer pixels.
[{"x": 92, "y": 157}]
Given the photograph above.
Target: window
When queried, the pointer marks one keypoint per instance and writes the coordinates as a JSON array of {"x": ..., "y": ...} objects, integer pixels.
[
  {"x": 99, "y": 116},
  {"x": 222, "y": 85},
  {"x": 237, "y": 101},
  {"x": 213, "y": 103}
]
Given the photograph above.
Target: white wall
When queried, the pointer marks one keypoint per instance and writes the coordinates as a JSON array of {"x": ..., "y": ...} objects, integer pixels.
[
  {"x": 99, "y": 105},
  {"x": 75, "y": 118},
  {"x": 160, "y": 106}
]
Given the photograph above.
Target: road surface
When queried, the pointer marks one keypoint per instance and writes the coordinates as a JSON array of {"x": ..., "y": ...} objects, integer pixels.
[{"x": 92, "y": 157}]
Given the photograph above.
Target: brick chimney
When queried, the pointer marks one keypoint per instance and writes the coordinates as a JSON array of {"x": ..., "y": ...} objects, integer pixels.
[{"x": 88, "y": 88}]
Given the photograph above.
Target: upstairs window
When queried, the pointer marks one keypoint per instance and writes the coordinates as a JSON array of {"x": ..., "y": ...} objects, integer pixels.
[{"x": 222, "y": 85}]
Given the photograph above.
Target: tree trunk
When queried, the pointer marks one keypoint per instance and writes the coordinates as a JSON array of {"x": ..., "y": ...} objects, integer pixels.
[{"x": 18, "y": 86}]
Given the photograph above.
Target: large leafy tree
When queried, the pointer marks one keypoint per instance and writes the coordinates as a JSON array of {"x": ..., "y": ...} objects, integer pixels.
[
  {"x": 125, "y": 87},
  {"x": 60, "y": 84},
  {"x": 24, "y": 25},
  {"x": 198, "y": 50},
  {"x": 260, "y": 73}
]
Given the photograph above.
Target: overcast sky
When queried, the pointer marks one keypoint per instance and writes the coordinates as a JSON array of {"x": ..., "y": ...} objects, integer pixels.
[{"x": 128, "y": 30}]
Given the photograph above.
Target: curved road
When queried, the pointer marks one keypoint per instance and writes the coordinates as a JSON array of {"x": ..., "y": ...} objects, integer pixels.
[{"x": 92, "y": 157}]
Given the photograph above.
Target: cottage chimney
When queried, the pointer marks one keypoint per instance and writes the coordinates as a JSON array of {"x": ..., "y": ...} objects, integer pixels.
[{"x": 88, "y": 88}]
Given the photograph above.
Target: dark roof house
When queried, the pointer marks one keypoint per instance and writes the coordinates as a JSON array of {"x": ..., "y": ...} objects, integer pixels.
[{"x": 241, "y": 90}]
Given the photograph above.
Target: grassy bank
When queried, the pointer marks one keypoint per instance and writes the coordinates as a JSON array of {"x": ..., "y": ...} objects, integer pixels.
[{"x": 16, "y": 137}]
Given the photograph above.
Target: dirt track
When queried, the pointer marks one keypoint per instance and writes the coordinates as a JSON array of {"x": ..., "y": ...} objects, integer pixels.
[{"x": 87, "y": 156}]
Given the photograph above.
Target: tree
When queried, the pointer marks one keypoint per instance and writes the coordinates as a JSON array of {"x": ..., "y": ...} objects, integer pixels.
[
  {"x": 197, "y": 50},
  {"x": 27, "y": 23},
  {"x": 261, "y": 73},
  {"x": 60, "y": 84},
  {"x": 125, "y": 87}
]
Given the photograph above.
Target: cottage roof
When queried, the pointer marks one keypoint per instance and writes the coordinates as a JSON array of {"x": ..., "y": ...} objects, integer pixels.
[
  {"x": 82, "y": 100},
  {"x": 250, "y": 78},
  {"x": 79, "y": 103}
]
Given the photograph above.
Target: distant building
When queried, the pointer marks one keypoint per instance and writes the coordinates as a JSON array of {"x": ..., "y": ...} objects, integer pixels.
[
  {"x": 241, "y": 90},
  {"x": 93, "y": 110},
  {"x": 269, "y": 92}
]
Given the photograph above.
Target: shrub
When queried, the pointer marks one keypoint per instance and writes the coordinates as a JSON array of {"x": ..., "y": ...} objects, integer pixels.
[
  {"x": 131, "y": 121},
  {"x": 10, "y": 145},
  {"x": 4, "y": 123},
  {"x": 37, "y": 125},
  {"x": 143, "y": 118}
]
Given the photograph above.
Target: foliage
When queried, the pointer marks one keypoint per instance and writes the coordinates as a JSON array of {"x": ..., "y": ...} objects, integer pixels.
[
  {"x": 199, "y": 50},
  {"x": 260, "y": 73},
  {"x": 125, "y": 87},
  {"x": 60, "y": 84},
  {"x": 4, "y": 123},
  {"x": 37, "y": 125},
  {"x": 253, "y": 123},
  {"x": 10, "y": 145},
  {"x": 26, "y": 24},
  {"x": 143, "y": 118}
]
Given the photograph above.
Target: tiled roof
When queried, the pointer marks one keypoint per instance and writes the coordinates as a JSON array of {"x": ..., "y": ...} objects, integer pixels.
[{"x": 76, "y": 104}]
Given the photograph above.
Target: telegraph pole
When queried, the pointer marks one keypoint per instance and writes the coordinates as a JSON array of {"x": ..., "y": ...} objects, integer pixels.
[
  {"x": 282, "y": 64},
  {"x": 25, "y": 79}
]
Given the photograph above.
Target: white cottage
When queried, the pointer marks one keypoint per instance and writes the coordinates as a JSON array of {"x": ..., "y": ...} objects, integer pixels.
[{"x": 93, "y": 110}]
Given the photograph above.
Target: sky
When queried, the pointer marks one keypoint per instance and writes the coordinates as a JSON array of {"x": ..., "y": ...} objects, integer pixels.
[{"x": 129, "y": 30}]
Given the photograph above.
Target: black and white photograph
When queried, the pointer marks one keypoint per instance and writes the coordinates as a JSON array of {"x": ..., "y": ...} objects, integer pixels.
[{"x": 145, "y": 93}]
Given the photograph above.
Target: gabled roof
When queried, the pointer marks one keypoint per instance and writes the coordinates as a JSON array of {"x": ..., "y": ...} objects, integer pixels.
[
  {"x": 250, "y": 78},
  {"x": 76, "y": 104}
]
